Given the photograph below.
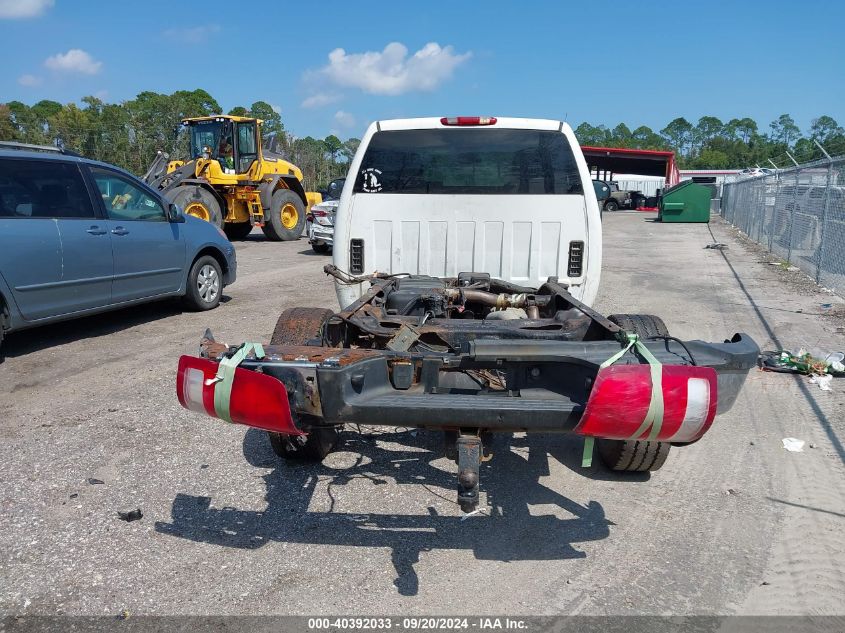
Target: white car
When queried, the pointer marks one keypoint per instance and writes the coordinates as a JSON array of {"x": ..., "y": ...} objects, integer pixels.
[
  {"x": 441, "y": 196},
  {"x": 320, "y": 219}
]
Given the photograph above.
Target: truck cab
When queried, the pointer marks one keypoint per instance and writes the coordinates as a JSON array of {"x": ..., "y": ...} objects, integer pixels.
[{"x": 511, "y": 197}]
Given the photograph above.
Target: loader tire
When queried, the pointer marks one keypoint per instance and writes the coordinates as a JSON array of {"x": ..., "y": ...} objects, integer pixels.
[
  {"x": 635, "y": 455},
  {"x": 297, "y": 326},
  {"x": 237, "y": 230},
  {"x": 285, "y": 219},
  {"x": 198, "y": 202}
]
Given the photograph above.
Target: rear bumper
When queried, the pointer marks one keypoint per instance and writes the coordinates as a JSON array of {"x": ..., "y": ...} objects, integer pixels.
[
  {"x": 400, "y": 389},
  {"x": 320, "y": 234},
  {"x": 231, "y": 272}
]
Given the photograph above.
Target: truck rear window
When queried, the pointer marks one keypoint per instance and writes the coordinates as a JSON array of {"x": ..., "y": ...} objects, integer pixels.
[{"x": 469, "y": 161}]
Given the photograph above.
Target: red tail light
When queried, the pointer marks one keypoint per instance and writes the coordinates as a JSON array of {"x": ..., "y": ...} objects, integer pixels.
[
  {"x": 318, "y": 213},
  {"x": 468, "y": 120},
  {"x": 257, "y": 399},
  {"x": 621, "y": 395}
]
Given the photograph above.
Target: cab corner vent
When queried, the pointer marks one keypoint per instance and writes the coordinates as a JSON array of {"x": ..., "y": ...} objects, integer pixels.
[
  {"x": 576, "y": 259},
  {"x": 356, "y": 256}
]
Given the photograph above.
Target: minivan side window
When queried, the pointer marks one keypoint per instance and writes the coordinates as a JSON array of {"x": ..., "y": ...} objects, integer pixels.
[
  {"x": 42, "y": 189},
  {"x": 469, "y": 161},
  {"x": 125, "y": 200}
]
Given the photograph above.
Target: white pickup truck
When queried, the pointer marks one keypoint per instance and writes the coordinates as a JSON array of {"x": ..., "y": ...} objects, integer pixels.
[{"x": 467, "y": 253}]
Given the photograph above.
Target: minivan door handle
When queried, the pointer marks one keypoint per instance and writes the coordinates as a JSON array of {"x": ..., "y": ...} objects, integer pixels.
[
  {"x": 119, "y": 230},
  {"x": 96, "y": 230}
]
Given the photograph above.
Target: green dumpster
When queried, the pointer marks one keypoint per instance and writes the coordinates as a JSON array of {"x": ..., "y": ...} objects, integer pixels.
[{"x": 685, "y": 202}]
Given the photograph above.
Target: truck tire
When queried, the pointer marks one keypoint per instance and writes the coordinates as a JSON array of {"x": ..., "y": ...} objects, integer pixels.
[
  {"x": 237, "y": 230},
  {"x": 643, "y": 325},
  {"x": 322, "y": 249},
  {"x": 611, "y": 205},
  {"x": 286, "y": 219},
  {"x": 317, "y": 444},
  {"x": 297, "y": 326},
  {"x": 198, "y": 202},
  {"x": 635, "y": 455}
]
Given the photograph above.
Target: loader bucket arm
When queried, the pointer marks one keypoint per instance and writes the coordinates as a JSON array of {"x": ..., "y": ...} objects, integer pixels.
[{"x": 157, "y": 168}]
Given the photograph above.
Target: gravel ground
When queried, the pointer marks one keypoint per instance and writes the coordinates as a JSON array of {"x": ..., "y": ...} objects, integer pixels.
[{"x": 90, "y": 426}]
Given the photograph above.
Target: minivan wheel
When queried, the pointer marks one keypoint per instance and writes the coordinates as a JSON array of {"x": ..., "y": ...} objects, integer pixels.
[{"x": 205, "y": 284}]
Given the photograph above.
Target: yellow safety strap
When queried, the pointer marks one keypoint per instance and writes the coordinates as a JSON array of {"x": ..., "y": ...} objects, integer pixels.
[
  {"x": 654, "y": 416},
  {"x": 226, "y": 375}
]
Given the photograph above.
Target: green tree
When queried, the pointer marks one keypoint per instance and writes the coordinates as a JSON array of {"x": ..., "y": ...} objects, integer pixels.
[
  {"x": 645, "y": 138},
  {"x": 350, "y": 146},
  {"x": 707, "y": 128},
  {"x": 679, "y": 134},
  {"x": 8, "y": 131},
  {"x": 272, "y": 119},
  {"x": 824, "y": 129},
  {"x": 744, "y": 128},
  {"x": 784, "y": 130},
  {"x": 621, "y": 136},
  {"x": 239, "y": 111},
  {"x": 592, "y": 135},
  {"x": 333, "y": 146}
]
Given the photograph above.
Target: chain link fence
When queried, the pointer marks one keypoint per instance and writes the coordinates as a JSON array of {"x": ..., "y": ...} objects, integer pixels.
[{"x": 798, "y": 214}]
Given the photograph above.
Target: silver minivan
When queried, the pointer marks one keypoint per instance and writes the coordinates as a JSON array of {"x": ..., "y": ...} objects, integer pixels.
[{"x": 79, "y": 237}]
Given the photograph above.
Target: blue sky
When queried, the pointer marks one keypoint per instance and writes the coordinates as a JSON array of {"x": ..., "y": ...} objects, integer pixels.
[{"x": 602, "y": 62}]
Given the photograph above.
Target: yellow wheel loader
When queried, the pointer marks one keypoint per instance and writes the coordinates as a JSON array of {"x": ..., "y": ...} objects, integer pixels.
[{"x": 229, "y": 182}]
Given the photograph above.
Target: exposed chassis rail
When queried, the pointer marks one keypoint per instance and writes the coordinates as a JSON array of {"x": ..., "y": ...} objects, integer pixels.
[{"x": 551, "y": 381}]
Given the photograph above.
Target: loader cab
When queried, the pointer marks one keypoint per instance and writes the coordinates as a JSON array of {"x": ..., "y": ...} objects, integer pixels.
[{"x": 231, "y": 141}]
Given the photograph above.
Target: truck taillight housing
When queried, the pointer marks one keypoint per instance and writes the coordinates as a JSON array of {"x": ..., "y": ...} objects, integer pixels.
[
  {"x": 468, "y": 120},
  {"x": 356, "y": 256},
  {"x": 575, "y": 267},
  {"x": 620, "y": 399},
  {"x": 256, "y": 400}
]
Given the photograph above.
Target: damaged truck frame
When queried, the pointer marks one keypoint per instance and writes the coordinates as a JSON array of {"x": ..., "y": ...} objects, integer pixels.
[
  {"x": 431, "y": 361},
  {"x": 471, "y": 354}
]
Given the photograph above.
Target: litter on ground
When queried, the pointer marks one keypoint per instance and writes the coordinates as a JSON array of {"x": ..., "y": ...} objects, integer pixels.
[{"x": 793, "y": 445}]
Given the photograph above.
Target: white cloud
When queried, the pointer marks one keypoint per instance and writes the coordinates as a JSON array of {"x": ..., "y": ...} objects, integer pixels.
[
  {"x": 344, "y": 119},
  {"x": 192, "y": 35},
  {"x": 14, "y": 9},
  {"x": 392, "y": 71},
  {"x": 319, "y": 100},
  {"x": 74, "y": 61},
  {"x": 30, "y": 81}
]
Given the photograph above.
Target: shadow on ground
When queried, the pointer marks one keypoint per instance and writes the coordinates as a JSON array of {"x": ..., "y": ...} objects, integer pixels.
[
  {"x": 27, "y": 341},
  {"x": 511, "y": 481}
]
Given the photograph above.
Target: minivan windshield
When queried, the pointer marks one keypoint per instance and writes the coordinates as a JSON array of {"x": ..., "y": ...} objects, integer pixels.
[{"x": 469, "y": 161}]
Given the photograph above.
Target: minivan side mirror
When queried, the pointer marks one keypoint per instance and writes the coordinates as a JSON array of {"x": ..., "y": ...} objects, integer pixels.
[{"x": 174, "y": 214}]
